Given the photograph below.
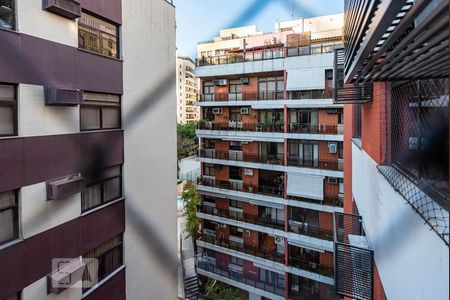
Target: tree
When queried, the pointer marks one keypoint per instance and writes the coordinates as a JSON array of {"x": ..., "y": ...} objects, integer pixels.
[
  {"x": 216, "y": 290},
  {"x": 187, "y": 140},
  {"x": 191, "y": 200}
]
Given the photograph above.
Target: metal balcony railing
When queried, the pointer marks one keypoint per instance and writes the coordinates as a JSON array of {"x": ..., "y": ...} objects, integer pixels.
[
  {"x": 313, "y": 128},
  {"x": 248, "y": 188},
  {"x": 306, "y": 229},
  {"x": 295, "y": 160},
  {"x": 244, "y": 96},
  {"x": 240, "y": 126},
  {"x": 248, "y": 56},
  {"x": 240, "y": 247},
  {"x": 273, "y": 159},
  {"x": 265, "y": 221},
  {"x": 240, "y": 277},
  {"x": 331, "y": 200},
  {"x": 310, "y": 94},
  {"x": 304, "y": 264}
]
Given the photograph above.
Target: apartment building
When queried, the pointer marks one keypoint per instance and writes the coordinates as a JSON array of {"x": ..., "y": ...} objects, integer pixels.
[
  {"x": 78, "y": 117},
  {"x": 271, "y": 159},
  {"x": 392, "y": 78},
  {"x": 187, "y": 110}
]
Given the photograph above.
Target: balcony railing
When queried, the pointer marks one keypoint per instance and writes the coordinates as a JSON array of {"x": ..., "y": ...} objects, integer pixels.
[
  {"x": 248, "y": 188},
  {"x": 240, "y": 247},
  {"x": 240, "y": 277},
  {"x": 313, "y": 49},
  {"x": 306, "y": 229},
  {"x": 310, "y": 94},
  {"x": 244, "y": 96},
  {"x": 304, "y": 264},
  {"x": 295, "y": 160},
  {"x": 233, "y": 58},
  {"x": 266, "y": 221},
  {"x": 240, "y": 126},
  {"x": 312, "y": 128},
  {"x": 327, "y": 200},
  {"x": 273, "y": 159}
]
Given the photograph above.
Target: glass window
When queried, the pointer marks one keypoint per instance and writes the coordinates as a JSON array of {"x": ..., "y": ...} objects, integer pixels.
[
  {"x": 8, "y": 110},
  {"x": 102, "y": 187},
  {"x": 235, "y": 114},
  {"x": 98, "y": 36},
  {"x": 235, "y": 173},
  {"x": 7, "y": 14},
  {"x": 100, "y": 111},
  {"x": 208, "y": 170},
  {"x": 237, "y": 261},
  {"x": 9, "y": 221},
  {"x": 236, "y": 204},
  {"x": 102, "y": 261}
]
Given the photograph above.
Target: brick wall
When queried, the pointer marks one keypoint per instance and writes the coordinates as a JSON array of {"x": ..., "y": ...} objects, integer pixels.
[
  {"x": 223, "y": 117},
  {"x": 326, "y": 259},
  {"x": 252, "y": 87},
  {"x": 250, "y": 179},
  {"x": 324, "y": 152},
  {"x": 326, "y": 118},
  {"x": 222, "y": 174},
  {"x": 325, "y": 220}
]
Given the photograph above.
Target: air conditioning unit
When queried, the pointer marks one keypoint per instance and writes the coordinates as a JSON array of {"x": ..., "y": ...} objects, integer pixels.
[
  {"x": 217, "y": 111},
  {"x": 64, "y": 187},
  {"x": 62, "y": 97},
  {"x": 245, "y": 110},
  {"x": 223, "y": 82},
  {"x": 65, "y": 276},
  {"x": 332, "y": 147},
  {"x": 279, "y": 240},
  {"x": 215, "y": 82},
  {"x": 248, "y": 232},
  {"x": 69, "y": 9},
  {"x": 332, "y": 180},
  {"x": 248, "y": 172},
  {"x": 245, "y": 80},
  {"x": 332, "y": 110},
  {"x": 240, "y": 229}
]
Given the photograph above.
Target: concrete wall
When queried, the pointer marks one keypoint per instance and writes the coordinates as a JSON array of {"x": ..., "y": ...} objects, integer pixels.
[
  {"x": 148, "y": 44},
  {"x": 411, "y": 259}
]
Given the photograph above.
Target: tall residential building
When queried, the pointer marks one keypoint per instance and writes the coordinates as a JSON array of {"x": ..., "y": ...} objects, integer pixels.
[
  {"x": 272, "y": 159},
  {"x": 80, "y": 109},
  {"x": 393, "y": 77},
  {"x": 187, "y": 110}
]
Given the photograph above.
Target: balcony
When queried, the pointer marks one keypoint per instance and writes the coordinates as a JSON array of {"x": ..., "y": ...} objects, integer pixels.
[
  {"x": 330, "y": 200},
  {"x": 314, "y": 128},
  {"x": 273, "y": 159},
  {"x": 240, "y": 278},
  {"x": 308, "y": 265},
  {"x": 304, "y": 228},
  {"x": 240, "y": 126},
  {"x": 295, "y": 160},
  {"x": 240, "y": 247},
  {"x": 243, "y": 217},
  {"x": 247, "y": 188},
  {"x": 240, "y": 57},
  {"x": 245, "y": 96},
  {"x": 314, "y": 48}
]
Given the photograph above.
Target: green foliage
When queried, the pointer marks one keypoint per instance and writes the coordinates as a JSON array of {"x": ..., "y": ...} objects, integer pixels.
[
  {"x": 219, "y": 291},
  {"x": 191, "y": 200},
  {"x": 187, "y": 141}
]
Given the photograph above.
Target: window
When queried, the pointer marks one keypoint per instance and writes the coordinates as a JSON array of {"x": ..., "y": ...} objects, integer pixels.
[
  {"x": 237, "y": 261},
  {"x": 7, "y": 14},
  {"x": 9, "y": 220},
  {"x": 15, "y": 296},
  {"x": 100, "y": 111},
  {"x": 235, "y": 114},
  {"x": 208, "y": 91},
  {"x": 208, "y": 170},
  {"x": 271, "y": 88},
  {"x": 236, "y": 231},
  {"x": 236, "y": 204},
  {"x": 357, "y": 121},
  {"x": 235, "y": 93},
  {"x": 102, "y": 187},
  {"x": 8, "y": 110},
  {"x": 104, "y": 259},
  {"x": 98, "y": 36},
  {"x": 235, "y": 173},
  {"x": 235, "y": 146}
]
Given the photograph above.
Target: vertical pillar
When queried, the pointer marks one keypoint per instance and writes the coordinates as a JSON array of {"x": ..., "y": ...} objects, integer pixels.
[{"x": 286, "y": 210}]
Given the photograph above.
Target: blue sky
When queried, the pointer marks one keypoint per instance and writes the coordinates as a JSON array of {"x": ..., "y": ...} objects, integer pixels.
[{"x": 200, "y": 20}]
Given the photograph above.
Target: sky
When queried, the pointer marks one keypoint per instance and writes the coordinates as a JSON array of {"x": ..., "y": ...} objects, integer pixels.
[{"x": 201, "y": 20}]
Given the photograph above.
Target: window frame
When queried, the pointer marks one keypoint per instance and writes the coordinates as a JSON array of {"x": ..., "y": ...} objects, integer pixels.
[
  {"x": 14, "y": 17},
  {"x": 16, "y": 220},
  {"x": 14, "y": 105},
  {"x": 102, "y": 181},
  {"x": 103, "y": 19},
  {"x": 98, "y": 104}
]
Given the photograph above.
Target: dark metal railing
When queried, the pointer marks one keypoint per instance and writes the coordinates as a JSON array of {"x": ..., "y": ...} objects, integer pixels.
[
  {"x": 295, "y": 160},
  {"x": 312, "y": 49},
  {"x": 274, "y": 159},
  {"x": 240, "y": 247},
  {"x": 306, "y": 229},
  {"x": 248, "y": 188},
  {"x": 304, "y": 264},
  {"x": 240, "y": 126},
  {"x": 243, "y": 217},
  {"x": 233, "y": 58},
  {"x": 327, "y": 200},
  {"x": 240, "y": 277},
  {"x": 313, "y": 128},
  {"x": 244, "y": 96},
  {"x": 310, "y": 94}
]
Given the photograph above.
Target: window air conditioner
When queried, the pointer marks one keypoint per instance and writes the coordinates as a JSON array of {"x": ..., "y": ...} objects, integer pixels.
[
  {"x": 69, "y": 9},
  {"x": 245, "y": 80},
  {"x": 248, "y": 232},
  {"x": 64, "y": 187},
  {"x": 223, "y": 82},
  {"x": 215, "y": 82},
  {"x": 332, "y": 180},
  {"x": 332, "y": 147},
  {"x": 279, "y": 240},
  {"x": 217, "y": 111},
  {"x": 245, "y": 110},
  {"x": 65, "y": 276},
  {"x": 62, "y": 97}
]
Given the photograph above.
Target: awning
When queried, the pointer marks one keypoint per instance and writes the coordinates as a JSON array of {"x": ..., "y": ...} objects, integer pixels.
[
  {"x": 306, "y": 79},
  {"x": 308, "y": 186}
]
